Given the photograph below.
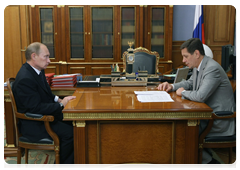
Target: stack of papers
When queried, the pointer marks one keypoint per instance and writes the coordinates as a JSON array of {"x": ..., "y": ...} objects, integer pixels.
[
  {"x": 153, "y": 96},
  {"x": 64, "y": 80},
  {"x": 49, "y": 77}
]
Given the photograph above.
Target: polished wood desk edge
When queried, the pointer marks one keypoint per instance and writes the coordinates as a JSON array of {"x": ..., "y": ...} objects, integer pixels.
[{"x": 138, "y": 116}]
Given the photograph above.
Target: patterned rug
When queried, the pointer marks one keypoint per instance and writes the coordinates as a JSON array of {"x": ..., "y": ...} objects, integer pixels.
[{"x": 34, "y": 157}]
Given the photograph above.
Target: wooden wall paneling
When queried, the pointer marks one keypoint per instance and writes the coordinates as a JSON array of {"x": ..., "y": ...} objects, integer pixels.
[
  {"x": 52, "y": 68},
  {"x": 12, "y": 41},
  {"x": 76, "y": 69},
  {"x": 164, "y": 67},
  {"x": 140, "y": 17},
  {"x": 219, "y": 24},
  {"x": 217, "y": 53},
  {"x": 224, "y": 24},
  {"x": 61, "y": 34},
  {"x": 100, "y": 69},
  {"x": 116, "y": 34},
  {"x": 176, "y": 54},
  {"x": 137, "y": 27},
  {"x": 145, "y": 28},
  {"x": 34, "y": 28},
  {"x": 170, "y": 31},
  {"x": 87, "y": 37},
  {"x": 25, "y": 31},
  {"x": 57, "y": 32},
  {"x": 63, "y": 68}
]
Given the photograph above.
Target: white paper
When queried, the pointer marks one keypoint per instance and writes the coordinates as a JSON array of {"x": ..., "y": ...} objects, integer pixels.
[
  {"x": 97, "y": 81},
  {"x": 153, "y": 96},
  {"x": 169, "y": 75}
]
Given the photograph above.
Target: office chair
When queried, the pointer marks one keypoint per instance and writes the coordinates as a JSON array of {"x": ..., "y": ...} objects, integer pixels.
[
  {"x": 208, "y": 51},
  {"x": 220, "y": 141},
  {"x": 23, "y": 142},
  {"x": 143, "y": 60}
]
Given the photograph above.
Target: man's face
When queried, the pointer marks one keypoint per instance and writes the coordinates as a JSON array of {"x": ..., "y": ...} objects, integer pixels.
[
  {"x": 190, "y": 60},
  {"x": 42, "y": 59}
]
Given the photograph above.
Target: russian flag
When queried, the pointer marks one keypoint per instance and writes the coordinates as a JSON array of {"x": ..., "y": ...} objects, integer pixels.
[{"x": 198, "y": 28}]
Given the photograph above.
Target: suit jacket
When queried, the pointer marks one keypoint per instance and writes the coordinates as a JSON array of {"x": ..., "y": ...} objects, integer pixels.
[
  {"x": 212, "y": 87},
  {"x": 31, "y": 95}
]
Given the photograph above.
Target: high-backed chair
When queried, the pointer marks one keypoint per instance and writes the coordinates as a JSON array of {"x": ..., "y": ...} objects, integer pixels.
[
  {"x": 23, "y": 142},
  {"x": 219, "y": 141},
  {"x": 143, "y": 60}
]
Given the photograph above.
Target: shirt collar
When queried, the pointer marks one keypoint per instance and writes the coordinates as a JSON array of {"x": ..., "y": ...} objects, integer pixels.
[
  {"x": 198, "y": 69},
  {"x": 37, "y": 71}
]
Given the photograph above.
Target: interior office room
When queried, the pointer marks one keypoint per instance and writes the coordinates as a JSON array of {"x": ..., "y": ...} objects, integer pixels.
[{"x": 80, "y": 43}]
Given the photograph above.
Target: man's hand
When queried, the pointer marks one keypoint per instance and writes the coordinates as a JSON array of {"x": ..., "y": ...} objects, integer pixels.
[
  {"x": 65, "y": 100},
  {"x": 165, "y": 87},
  {"x": 179, "y": 91}
]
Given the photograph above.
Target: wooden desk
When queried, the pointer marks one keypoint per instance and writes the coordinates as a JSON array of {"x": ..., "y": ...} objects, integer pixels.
[{"x": 111, "y": 127}]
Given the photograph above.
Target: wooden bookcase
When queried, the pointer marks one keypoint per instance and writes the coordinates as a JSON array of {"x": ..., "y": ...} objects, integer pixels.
[{"x": 88, "y": 39}]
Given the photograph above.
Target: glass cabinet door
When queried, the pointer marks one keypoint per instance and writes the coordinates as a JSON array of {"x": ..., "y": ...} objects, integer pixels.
[
  {"x": 47, "y": 29},
  {"x": 102, "y": 32},
  {"x": 128, "y": 25},
  {"x": 76, "y": 32},
  {"x": 157, "y": 38}
]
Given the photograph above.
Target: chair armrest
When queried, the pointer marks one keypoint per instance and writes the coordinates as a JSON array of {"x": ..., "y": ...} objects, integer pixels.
[
  {"x": 223, "y": 115},
  {"x": 31, "y": 115},
  {"x": 216, "y": 115},
  {"x": 36, "y": 117}
]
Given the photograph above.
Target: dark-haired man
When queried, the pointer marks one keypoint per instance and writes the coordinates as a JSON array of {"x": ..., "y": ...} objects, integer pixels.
[
  {"x": 33, "y": 94},
  {"x": 208, "y": 84}
]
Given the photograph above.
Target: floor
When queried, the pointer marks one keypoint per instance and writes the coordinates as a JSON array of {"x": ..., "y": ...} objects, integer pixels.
[{"x": 222, "y": 153}]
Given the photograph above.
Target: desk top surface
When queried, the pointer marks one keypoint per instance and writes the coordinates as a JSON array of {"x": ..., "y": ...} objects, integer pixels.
[{"x": 123, "y": 99}]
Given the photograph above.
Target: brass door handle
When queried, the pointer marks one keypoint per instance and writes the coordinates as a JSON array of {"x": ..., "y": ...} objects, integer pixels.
[{"x": 23, "y": 49}]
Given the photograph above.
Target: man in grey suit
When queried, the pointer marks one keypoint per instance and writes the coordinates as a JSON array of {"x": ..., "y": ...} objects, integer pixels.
[{"x": 208, "y": 84}]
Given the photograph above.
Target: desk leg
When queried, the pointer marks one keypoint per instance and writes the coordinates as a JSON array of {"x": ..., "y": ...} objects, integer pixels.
[
  {"x": 79, "y": 142},
  {"x": 191, "y": 154}
]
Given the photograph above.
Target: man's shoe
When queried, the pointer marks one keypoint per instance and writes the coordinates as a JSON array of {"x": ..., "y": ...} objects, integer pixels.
[{"x": 213, "y": 164}]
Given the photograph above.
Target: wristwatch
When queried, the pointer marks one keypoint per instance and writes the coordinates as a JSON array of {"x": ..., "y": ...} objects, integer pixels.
[{"x": 62, "y": 106}]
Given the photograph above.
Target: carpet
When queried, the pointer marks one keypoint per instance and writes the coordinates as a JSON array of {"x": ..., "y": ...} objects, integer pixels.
[{"x": 35, "y": 157}]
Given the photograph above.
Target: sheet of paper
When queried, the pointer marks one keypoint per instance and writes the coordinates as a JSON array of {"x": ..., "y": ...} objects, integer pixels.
[
  {"x": 97, "y": 81},
  {"x": 169, "y": 75},
  {"x": 153, "y": 96}
]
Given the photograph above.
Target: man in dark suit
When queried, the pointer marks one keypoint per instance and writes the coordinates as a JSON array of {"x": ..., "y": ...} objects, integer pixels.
[
  {"x": 208, "y": 84},
  {"x": 33, "y": 94}
]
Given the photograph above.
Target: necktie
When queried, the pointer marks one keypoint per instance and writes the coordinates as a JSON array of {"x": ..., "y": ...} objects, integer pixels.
[{"x": 42, "y": 79}]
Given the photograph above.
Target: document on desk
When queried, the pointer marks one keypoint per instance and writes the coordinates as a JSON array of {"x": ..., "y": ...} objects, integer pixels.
[{"x": 153, "y": 96}]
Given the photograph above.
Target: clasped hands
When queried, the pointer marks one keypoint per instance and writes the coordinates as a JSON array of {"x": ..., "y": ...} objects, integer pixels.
[{"x": 168, "y": 87}]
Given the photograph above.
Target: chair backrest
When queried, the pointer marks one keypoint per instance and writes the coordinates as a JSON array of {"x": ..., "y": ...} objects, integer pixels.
[
  {"x": 208, "y": 51},
  {"x": 143, "y": 60},
  {"x": 10, "y": 82}
]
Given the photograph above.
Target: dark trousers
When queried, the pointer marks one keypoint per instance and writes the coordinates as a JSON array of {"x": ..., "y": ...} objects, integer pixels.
[{"x": 64, "y": 130}]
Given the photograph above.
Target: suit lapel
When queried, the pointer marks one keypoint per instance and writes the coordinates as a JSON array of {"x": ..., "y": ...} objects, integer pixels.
[
  {"x": 195, "y": 79},
  {"x": 203, "y": 65},
  {"x": 36, "y": 76}
]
